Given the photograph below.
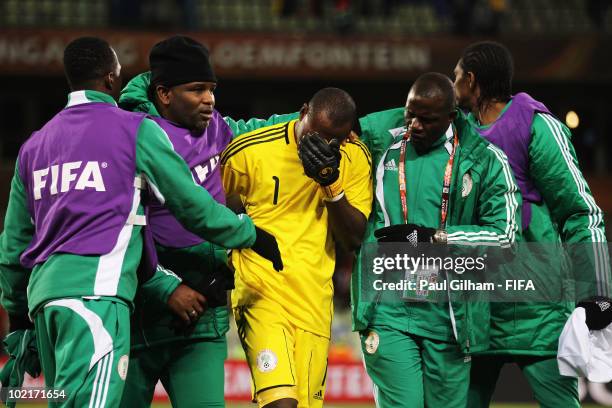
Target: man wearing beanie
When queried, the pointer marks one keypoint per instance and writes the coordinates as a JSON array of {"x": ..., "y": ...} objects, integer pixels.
[{"x": 179, "y": 95}]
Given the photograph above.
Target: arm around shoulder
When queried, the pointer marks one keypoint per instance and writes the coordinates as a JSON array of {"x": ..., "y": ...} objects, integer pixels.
[{"x": 170, "y": 179}]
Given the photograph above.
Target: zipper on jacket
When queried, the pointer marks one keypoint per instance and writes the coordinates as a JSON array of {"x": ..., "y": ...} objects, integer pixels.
[
  {"x": 213, "y": 264},
  {"x": 141, "y": 327}
]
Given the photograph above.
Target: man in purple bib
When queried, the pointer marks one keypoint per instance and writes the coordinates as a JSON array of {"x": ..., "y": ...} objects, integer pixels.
[
  {"x": 190, "y": 365},
  {"x": 178, "y": 93},
  {"x": 557, "y": 206}
]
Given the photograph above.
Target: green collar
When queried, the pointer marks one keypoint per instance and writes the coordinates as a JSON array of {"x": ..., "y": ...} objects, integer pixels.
[
  {"x": 446, "y": 137},
  {"x": 478, "y": 125},
  {"x": 445, "y": 140},
  {"x": 88, "y": 96}
]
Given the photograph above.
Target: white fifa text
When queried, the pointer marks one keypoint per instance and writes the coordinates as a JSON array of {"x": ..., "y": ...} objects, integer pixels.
[{"x": 62, "y": 178}]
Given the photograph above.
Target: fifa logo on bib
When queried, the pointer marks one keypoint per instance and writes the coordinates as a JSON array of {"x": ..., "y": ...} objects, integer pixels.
[
  {"x": 205, "y": 169},
  {"x": 62, "y": 178}
]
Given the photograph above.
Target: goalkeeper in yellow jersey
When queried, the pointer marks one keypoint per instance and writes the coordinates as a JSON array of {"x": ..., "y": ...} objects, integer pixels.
[{"x": 299, "y": 182}]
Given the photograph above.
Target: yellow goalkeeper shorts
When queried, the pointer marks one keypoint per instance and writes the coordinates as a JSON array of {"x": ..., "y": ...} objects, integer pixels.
[{"x": 282, "y": 356}]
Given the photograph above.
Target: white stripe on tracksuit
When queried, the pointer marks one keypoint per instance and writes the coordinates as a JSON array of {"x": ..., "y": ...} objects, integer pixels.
[
  {"x": 101, "y": 381},
  {"x": 600, "y": 252},
  {"x": 488, "y": 237},
  {"x": 103, "y": 354}
]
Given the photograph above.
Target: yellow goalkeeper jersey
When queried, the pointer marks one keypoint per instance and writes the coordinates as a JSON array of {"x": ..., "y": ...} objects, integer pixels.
[{"x": 264, "y": 169}]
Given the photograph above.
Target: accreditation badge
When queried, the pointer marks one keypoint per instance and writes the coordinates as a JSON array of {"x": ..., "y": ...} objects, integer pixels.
[{"x": 418, "y": 285}]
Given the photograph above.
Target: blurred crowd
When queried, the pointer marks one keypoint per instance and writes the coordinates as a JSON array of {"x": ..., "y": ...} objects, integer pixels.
[
  {"x": 467, "y": 16},
  {"x": 459, "y": 17}
]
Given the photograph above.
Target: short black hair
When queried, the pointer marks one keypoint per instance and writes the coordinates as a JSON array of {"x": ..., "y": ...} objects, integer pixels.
[
  {"x": 492, "y": 66},
  {"x": 336, "y": 104},
  {"x": 86, "y": 59},
  {"x": 436, "y": 85}
]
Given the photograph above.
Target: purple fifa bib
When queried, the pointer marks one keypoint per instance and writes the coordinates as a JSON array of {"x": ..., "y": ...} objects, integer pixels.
[
  {"x": 79, "y": 175},
  {"x": 201, "y": 153},
  {"x": 512, "y": 133}
]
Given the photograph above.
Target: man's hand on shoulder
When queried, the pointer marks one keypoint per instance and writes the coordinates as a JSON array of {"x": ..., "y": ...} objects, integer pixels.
[{"x": 266, "y": 246}]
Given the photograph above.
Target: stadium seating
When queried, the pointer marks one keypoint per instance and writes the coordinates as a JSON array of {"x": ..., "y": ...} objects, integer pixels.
[{"x": 407, "y": 17}]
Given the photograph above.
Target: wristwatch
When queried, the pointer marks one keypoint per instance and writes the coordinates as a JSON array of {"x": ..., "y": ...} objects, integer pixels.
[{"x": 440, "y": 237}]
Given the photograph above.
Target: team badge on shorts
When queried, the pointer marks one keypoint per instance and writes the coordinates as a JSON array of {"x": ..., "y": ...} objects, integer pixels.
[
  {"x": 266, "y": 361},
  {"x": 122, "y": 366},
  {"x": 466, "y": 186},
  {"x": 371, "y": 342}
]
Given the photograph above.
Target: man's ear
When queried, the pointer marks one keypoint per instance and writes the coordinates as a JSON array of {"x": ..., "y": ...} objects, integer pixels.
[
  {"x": 163, "y": 94},
  {"x": 109, "y": 80},
  {"x": 303, "y": 111},
  {"x": 471, "y": 78}
]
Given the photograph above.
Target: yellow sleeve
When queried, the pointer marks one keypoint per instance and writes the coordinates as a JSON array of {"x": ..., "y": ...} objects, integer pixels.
[
  {"x": 357, "y": 177},
  {"x": 234, "y": 174}
]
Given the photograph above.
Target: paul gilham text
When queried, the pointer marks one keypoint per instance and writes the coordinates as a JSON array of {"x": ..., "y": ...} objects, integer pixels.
[{"x": 424, "y": 284}]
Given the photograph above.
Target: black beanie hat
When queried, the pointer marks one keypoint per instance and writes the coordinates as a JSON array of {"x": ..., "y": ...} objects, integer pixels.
[{"x": 179, "y": 60}]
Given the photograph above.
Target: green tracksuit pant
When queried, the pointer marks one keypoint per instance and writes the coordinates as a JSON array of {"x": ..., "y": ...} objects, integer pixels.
[
  {"x": 84, "y": 350},
  {"x": 191, "y": 371},
  {"x": 411, "y": 371},
  {"x": 550, "y": 389}
]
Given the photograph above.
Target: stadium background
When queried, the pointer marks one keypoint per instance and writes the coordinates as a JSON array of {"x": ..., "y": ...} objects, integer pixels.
[{"x": 272, "y": 55}]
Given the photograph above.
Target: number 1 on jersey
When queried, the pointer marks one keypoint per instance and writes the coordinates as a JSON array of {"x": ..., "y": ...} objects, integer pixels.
[{"x": 276, "y": 184}]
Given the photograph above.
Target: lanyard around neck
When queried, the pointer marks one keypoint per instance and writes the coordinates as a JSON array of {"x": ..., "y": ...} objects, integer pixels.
[{"x": 448, "y": 173}]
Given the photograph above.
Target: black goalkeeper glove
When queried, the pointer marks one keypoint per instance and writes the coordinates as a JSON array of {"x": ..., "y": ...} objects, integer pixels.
[
  {"x": 321, "y": 160},
  {"x": 215, "y": 286},
  {"x": 598, "y": 312},
  {"x": 266, "y": 246},
  {"x": 411, "y": 233}
]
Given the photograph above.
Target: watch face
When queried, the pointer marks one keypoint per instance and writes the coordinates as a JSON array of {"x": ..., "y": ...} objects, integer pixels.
[
  {"x": 441, "y": 237},
  {"x": 326, "y": 172}
]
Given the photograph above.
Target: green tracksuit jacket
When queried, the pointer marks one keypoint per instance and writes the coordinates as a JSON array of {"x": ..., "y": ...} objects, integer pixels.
[
  {"x": 567, "y": 214},
  {"x": 486, "y": 211}
]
